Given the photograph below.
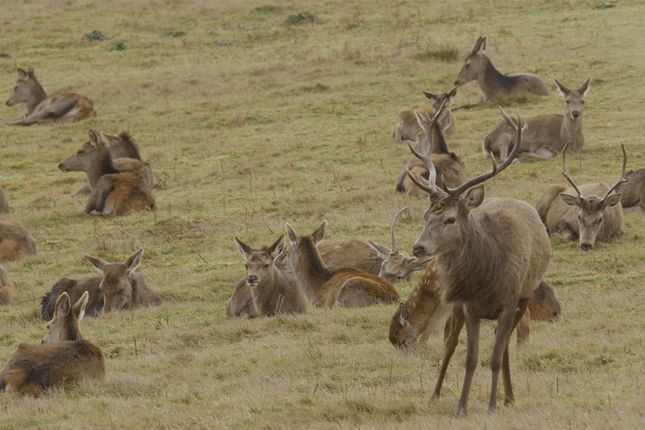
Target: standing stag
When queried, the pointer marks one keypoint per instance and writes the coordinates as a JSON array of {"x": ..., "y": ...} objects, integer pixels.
[
  {"x": 594, "y": 213},
  {"x": 495, "y": 85},
  {"x": 546, "y": 135},
  {"x": 407, "y": 125},
  {"x": 64, "y": 107},
  {"x": 491, "y": 256}
]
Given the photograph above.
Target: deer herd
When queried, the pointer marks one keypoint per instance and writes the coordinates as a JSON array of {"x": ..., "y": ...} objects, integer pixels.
[{"x": 480, "y": 259}]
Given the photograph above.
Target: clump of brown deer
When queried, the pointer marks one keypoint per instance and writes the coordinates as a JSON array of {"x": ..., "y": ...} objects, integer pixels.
[
  {"x": 496, "y": 86},
  {"x": 324, "y": 286},
  {"x": 407, "y": 125},
  {"x": 592, "y": 214},
  {"x": 471, "y": 239},
  {"x": 632, "y": 191},
  {"x": 7, "y": 290},
  {"x": 62, "y": 361},
  {"x": 16, "y": 243},
  {"x": 113, "y": 191},
  {"x": 545, "y": 135},
  {"x": 63, "y": 107}
]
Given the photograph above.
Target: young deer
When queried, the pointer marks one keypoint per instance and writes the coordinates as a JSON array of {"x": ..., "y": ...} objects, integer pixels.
[
  {"x": 63, "y": 360},
  {"x": 495, "y": 85},
  {"x": 450, "y": 169},
  {"x": 272, "y": 291},
  {"x": 407, "y": 126},
  {"x": 593, "y": 214},
  {"x": 7, "y": 290},
  {"x": 16, "y": 243},
  {"x": 546, "y": 135},
  {"x": 113, "y": 192},
  {"x": 471, "y": 239},
  {"x": 632, "y": 191},
  {"x": 397, "y": 264},
  {"x": 64, "y": 107},
  {"x": 345, "y": 287}
]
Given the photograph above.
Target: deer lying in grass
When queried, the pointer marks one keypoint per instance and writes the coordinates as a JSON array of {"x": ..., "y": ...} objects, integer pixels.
[
  {"x": 63, "y": 107},
  {"x": 397, "y": 264},
  {"x": 407, "y": 126},
  {"x": 471, "y": 239},
  {"x": 7, "y": 291},
  {"x": 546, "y": 135},
  {"x": 120, "y": 287},
  {"x": 345, "y": 287},
  {"x": 450, "y": 169},
  {"x": 271, "y": 290},
  {"x": 495, "y": 85},
  {"x": 632, "y": 191},
  {"x": 63, "y": 360},
  {"x": 113, "y": 192},
  {"x": 16, "y": 243},
  {"x": 593, "y": 214}
]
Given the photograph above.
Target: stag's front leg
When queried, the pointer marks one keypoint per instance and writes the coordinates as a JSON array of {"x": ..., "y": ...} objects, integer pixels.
[
  {"x": 522, "y": 312},
  {"x": 472, "y": 331},
  {"x": 505, "y": 325},
  {"x": 454, "y": 324}
]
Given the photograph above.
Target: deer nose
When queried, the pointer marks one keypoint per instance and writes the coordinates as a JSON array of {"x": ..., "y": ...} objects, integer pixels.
[
  {"x": 575, "y": 114},
  {"x": 418, "y": 250},
  {"x": 586, "y": 246},
  {"x": 252, "y": 279}
]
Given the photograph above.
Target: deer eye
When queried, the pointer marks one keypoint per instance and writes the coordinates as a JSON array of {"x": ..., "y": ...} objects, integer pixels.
[
  {"x": 451, "y": 220},
  {"x": 246, "y": 266},
  {"x": 265, "y": 266}
]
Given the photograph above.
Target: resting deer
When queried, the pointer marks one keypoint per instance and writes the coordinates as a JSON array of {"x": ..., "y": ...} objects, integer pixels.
[
  {"x": 63, "y": 107},
  {"x": 546, "y": 135},
  {"x": 397, "y": 264},
  {"x": 495, "y": 85},
  {"x": 632, "y": 191},
  {"x": 272, "y": 291},
  {"x": 593, "y": 214},
  {"x": 407, "y": 126},
  {"x": 323, "y": 286},
  {"x": 471, "y": 240},
  {"x": 450, "y": 169},
  {"x": 113, "y": 192},
  {"x": 63, "y": 360},
  {"x": 7, "y": 291},
  {"x": 16, "y": 243}
]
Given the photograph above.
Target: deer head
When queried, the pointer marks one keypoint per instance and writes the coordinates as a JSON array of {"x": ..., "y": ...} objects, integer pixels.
[
  {"x": 89, "y": 152},
  {"x": 590, "y": 208},
  {"x": 64, "y": 325},
  {"x": 259, "y": 262},
  {"x": 27, "y": 89},
  {"x": 116, "y": 284},
  {"x": 575, "y": 98},
  {"x": 474, "y": 64}
]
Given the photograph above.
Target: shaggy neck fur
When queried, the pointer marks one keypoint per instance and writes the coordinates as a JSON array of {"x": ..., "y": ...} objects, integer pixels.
[
  {"x": 101, "y": 165},
  {"x": 492, "y": 82},
  {"x": 37, "y": 95}
]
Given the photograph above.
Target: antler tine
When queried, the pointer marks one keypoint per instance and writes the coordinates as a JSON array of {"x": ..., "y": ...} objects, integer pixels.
[
  {"x": 438, "y": 112},
  {"x": 622, "y": 174},
  {"x": 517, "y": 124},
  {"x": 394, "y": 220},
  {"x": 432, "y": 172},
  {"x": 565, "y": 170}
]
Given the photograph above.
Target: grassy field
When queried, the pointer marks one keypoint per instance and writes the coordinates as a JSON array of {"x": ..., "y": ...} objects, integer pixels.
[{"x": 250, "y": 121}]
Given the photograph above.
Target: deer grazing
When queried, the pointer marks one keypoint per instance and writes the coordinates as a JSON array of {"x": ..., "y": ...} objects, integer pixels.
[
  {"x": 397, "y": 265},
  {"x": 495, "y": 85},
  {"x": 593, "y": 214},
  {"x": 471, "y": 240},
  {"x": 546, "y": 135},
  {"x": 324, "y": 286},
  {"x": 63, "y": 360},
  {"x": 16, "y": 243},
  {"x": 7, "y": 290},
  {"x": 407, "y": 125},
  {"x": 63, "y": 107},
  {"x": 450, "y": 169},
  {"x": 113, "y": 192},
  {"x": 632, "y": 191}
]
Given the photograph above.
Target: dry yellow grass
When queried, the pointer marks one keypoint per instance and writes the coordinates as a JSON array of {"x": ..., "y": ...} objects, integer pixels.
[{"x": 250, "y": 121}]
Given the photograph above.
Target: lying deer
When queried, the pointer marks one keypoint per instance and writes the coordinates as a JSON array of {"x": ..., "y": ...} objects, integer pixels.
[
  {"x": 16, "y": 243},
  {"x": 7, "y": 291},
  {"x": 632, "y": 191},
  {"x": 63, "y": 360},
  {"x": 450, "y": 169},
  {"x": 495, "y": 85},
  {"x": 470, "y": 239},
  {"x": 113, "y": 192},
  {"x": 593, "y": 214},
  {"x": 323, "y": 286},
  {"x": 397, "y": 265},
  {"x": 407, "y": 126},
  {"x": 546, "y": 135},
  {"x": 63, "y": 107},
  {"x": 119, "y": 287},
  {"x": 271, "y": 290}
]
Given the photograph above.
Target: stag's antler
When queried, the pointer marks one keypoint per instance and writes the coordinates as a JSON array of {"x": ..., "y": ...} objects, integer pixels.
[
  {"x": 622, "y": 175},
  {"x": 394, "y": 220},
  {"x": 430, "y": 185},
  {"x": 565, "y": 170}
]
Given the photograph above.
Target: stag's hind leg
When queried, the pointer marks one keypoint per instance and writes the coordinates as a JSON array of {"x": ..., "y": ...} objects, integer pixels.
[
  {"x": 509, "y": 398},
  {"x": 454, "y": 324}
]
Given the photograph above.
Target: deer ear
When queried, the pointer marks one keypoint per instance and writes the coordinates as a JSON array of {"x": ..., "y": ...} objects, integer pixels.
[
  {"x": 381, "y": 250},
  {"x": 96, "y": 262},
  {"x": 480, "y": 46},
  {"x": 612, "y": 200},
  {"x": 22, "y": 73},
  {"x": 319, "y": 234},
  {"x": 291, "y": 234},
  {"x": 95, "y": 137},
  {"x": 404, "y": 316},
  {"x": 562, "y": 90},
  {"x": 584, "y": 89},
  {"x": 430, "y": 95},
  {"x": 79, "y": 306},
  {"x": 570, "y": 200},
  {"x": 276, "y": 247},
  {"x": 133, "y": 262},
  {"x": 474, "y": 197},
  {"x": 243, "y": 247},
  {"x": 62, "y": 306}
]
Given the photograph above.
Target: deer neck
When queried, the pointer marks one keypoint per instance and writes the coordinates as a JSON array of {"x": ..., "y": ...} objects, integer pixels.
[
  {"x": 572, "y": 129},
  {"x": 492, "y": 82},
  {"x": 38, "y": 94},
  {"x": 439, "y": 145},
  {"x": 310, "y": 272},
  {"x": 100, "y": 165}
]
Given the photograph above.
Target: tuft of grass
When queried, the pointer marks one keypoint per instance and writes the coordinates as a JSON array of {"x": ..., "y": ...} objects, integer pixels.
[
  {"x": 175, "y": 33},
  {"x": 301, "y": 18},
  {"x": 95, "y": 36},
  {"x": 440, "y": 54}
]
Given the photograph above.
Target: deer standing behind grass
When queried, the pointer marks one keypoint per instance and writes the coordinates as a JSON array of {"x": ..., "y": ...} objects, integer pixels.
[
  {"x": 546, "y": 135},
  {"x": 450, "y": 169},
  {"x": 496, "y": 86},
  {"x": 593, "y": 214},
  {"x": 119, "y": 287},
  {"x": 324, "y": 286},
  {"x": 407, "y": 125},
  {"x": 63, "y": 107},
  {"x": 63, "y": 360},
  {"x": 113, "y": 192},
  {"x": 632, "y": 191},
  {"x": 472, "y": 240},
  {"x": 16, "y": 243},
  {"x": 7, "y": 290}
]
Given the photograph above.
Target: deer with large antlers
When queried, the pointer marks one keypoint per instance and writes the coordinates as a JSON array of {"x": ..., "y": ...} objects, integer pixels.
[
  {"x": 407, "y": 125},
  {"x": 491, "y": 255},
  {"x": 397, "y": 264},
  {"x": 592, "y": 214}
]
